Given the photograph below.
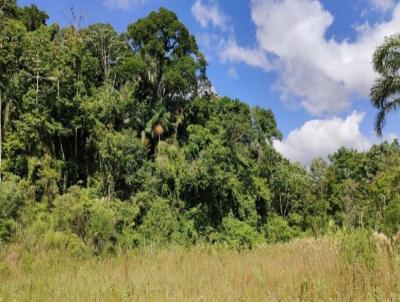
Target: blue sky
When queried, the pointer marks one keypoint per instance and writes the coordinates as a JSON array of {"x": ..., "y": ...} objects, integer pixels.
[{"x": 307, "y": 60}]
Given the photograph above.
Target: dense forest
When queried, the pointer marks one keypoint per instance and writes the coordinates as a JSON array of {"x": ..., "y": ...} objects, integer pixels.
[{"x": 111, "y": 141}]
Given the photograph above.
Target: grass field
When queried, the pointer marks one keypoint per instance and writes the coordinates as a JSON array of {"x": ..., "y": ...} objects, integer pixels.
[{"x": 304, "y": 270}]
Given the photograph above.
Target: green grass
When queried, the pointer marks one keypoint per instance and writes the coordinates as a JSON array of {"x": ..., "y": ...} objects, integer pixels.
[{"x": 303, "y": 270}]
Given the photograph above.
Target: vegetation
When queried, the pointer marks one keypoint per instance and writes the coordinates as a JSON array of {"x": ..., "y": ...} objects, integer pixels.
[
  {"x": 385, "y": 92},
  {"x": 116, "y": 141},
  {"x": 115, "y": 144},
  {"x": 343, "y": 268}
]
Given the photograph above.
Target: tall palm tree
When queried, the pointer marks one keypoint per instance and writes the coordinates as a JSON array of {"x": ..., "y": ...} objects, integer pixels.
[
  {"x": 385, "y": 93},
  {"x": 157, "y": 125}
]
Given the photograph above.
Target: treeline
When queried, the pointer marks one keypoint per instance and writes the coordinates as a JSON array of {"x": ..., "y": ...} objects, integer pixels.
[{"x": 114, "y": 140}]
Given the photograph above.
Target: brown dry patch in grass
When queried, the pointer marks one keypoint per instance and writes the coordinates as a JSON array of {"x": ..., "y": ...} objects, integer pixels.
[{"x": 304, "y": 270}]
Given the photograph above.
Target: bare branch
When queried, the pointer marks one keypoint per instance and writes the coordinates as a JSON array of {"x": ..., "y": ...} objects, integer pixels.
[{"x": 76, "y": 19}]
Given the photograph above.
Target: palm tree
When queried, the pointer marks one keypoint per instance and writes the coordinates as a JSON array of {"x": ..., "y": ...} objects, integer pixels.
[
  {"x": 157, "y": 125},
  {"x": 385, "y": 93}
]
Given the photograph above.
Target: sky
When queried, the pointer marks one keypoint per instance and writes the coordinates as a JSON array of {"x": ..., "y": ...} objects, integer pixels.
[{"x": 307, "y": 60}]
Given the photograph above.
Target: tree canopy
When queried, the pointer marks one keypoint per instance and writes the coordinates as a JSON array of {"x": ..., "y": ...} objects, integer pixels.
[
  {"x": 385, "y": 92},
  {"x": 116, "y": 140}
]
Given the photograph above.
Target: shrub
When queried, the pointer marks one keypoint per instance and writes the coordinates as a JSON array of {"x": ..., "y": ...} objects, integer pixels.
[
  {"x": 238, "y": 233},
  {"x": 160, "y": 225},
  {"x": 358, "y": 249},
  {"x": 91, "y": 219},
  {"x": 66, "y": 242},
  {"x": 129, "y": 239},
  {"x": 391, "y": 222},
  {"x": 11, "y": 205},
  {"x": 277, "y": 230},
  {"x": 7, "y": 228},
  {"x": 102, "y": 227}
]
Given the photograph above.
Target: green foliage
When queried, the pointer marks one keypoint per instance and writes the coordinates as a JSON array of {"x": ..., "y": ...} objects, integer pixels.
[
  {"x": 391, "y": 223},
  {"x": 384, "y": 93},
  {"x": 174, "y": 65},
  {"x": 278, "y": 230},
  {"x": 93, "y": 220},
  {"x": 103, "y": 41},
  {"x": 160, "y": 224},
  {"x": 358, "y": 249},
  {"x": 32, "y": 17},
  {"x": 66, "y": 242},
  {"x": 9, "y": 8},
  {"x": 265, "y": 125},
  {"x": 238, "y": 233},
  {"x": 102, "y": 227},
  {"x": 11, "y": 205},
  {"x": 121, "y": 156},
  {"x": 116, "y": 140}
]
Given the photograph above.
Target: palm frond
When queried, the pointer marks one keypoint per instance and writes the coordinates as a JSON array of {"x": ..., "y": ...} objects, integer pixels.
[
  {"x": 386, "y": 89},
  {"x": 380, "y": 120},
  {"x": 386, "y": 58}
]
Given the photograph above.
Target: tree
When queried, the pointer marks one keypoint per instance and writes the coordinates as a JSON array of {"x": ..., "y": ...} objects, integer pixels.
[
  {"x": 105, "y": 44},
  {"x": 115, "y": 139},
  {"x": 291, "y": 188},
  {"x": 384, "y": 93},
  {"x": 32, "y": 17},
  {"x": 121, "y": 156},
  {"x": 265, "y": 125},
  {"x": 174, "y": 65},
  {"x": 8, "y": 8}
]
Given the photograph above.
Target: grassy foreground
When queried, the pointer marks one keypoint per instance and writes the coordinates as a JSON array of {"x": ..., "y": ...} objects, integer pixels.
[{"x": 304, "y": 270}]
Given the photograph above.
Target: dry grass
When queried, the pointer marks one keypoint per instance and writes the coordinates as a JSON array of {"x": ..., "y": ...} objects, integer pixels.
[{"x": 304, "y": 270}]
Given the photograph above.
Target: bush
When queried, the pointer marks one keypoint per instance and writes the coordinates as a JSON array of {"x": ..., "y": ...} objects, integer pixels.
[
  {"x": 102, "y": 228},
  {"x": 7, "y": 229},
  {"x": 71, "y": 211},
  {"x": 238, "y": 233},
  {"x": 89, "y": 218},
  {"x": 65, "y": 242},
  {"x": 391, "y": 223},
  {"x": 277, "y": 230},
  {"x": 11, "y": 205},
  {"x": 160, "y": 225},
  {"x": 358, "y": 249},
  {"x": 129, "y": 239}
]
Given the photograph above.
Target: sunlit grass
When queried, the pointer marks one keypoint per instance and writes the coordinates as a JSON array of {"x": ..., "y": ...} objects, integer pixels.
[{"x": 304, "y": 270}]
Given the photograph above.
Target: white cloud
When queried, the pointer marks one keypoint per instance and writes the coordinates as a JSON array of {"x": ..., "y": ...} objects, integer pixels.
[
  {"x": 383, "y": 5},
  {"x": 320, "y": 74},
  {"x": 321, "y": 137},
  {"x": 231, "y": 52},
  {"x": 225, "y": 45},
  {"x": 210, "y": 14},
  {"x": 123, "y": 4},
  {"x": 232, "y": 73}
]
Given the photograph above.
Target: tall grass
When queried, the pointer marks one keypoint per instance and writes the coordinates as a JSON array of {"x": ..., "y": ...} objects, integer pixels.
[{"x": 303, "y": 270}]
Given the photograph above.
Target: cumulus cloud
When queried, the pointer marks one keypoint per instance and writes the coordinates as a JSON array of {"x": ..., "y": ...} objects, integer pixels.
[
  {"x": 318, "y": 73},
  {"x": 295, "y": 31},
  {"x": 210, "y": 14},
  {"x": 222, "y": 41},
  {"x": 383, "y": 5},
  {"x": 123, "y": 4},
  {"x": 231, "y": 52},
  {"x": 321, "y": 137}
]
